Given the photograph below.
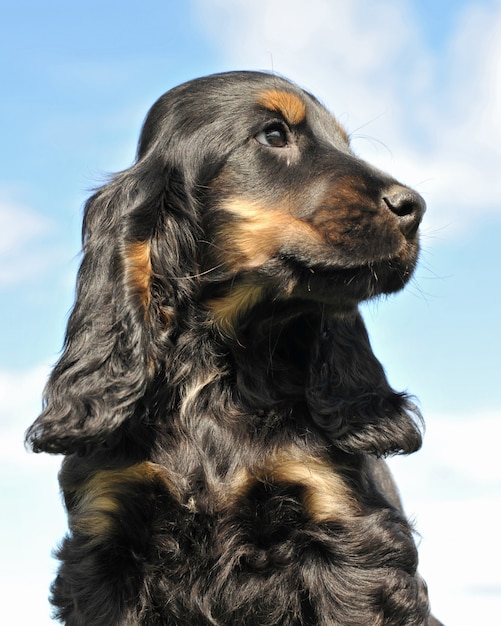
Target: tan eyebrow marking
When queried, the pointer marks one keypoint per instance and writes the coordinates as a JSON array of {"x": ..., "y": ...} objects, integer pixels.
[{"x": 289, "y": 105}]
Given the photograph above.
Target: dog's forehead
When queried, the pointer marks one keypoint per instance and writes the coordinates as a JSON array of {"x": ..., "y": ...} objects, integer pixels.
[{"x": 207, "y": 106}]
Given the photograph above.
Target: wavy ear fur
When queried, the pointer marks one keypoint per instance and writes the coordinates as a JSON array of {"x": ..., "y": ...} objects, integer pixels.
[
  {"x": 139, "y": 236},
  {"x": 136, "y": 247},
  {"x": 350, "y": 398}
]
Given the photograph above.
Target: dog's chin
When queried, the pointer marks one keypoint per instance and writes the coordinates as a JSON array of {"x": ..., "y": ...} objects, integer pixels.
[
  {"x": 341, "y": 279},
  {"x": 345, "y": 288}
]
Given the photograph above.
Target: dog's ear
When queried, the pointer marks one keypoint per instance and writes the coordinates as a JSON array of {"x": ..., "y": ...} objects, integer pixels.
[
  {"x": 139, "y": 238},
  {"x": 350, "y": 398},
  {"x": 138, "y": 271}
]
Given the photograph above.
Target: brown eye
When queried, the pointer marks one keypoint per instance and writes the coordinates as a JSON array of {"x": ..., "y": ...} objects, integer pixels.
[{"x": 274, "y": 136}]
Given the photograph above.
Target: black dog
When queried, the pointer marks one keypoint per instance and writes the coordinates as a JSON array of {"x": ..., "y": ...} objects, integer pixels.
[{"x": 221, "y": 411}]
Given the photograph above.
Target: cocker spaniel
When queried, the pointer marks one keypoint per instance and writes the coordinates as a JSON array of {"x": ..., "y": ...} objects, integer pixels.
[{"x": 222, "y": 415}]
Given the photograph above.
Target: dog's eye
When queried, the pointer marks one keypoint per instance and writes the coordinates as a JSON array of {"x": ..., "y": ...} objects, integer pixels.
[{"x": 274, "y": 136}]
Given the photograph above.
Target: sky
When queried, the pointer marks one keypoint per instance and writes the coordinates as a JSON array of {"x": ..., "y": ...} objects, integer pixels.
[{"x": 417, "y": 83}]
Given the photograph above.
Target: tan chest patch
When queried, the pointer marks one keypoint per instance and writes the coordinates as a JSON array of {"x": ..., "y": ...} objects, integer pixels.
[
  {"x": 99, "y": 501},
  {"x": 326, "y": 495}
]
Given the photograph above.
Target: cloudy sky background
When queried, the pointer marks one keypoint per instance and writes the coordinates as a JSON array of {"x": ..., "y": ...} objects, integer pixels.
[{"x": 417, "y": 83}]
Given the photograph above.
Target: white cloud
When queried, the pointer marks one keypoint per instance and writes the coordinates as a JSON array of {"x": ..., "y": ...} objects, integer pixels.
[
  {"x": 36, "y": 519},
  {"x": 459, "y": 459},
  {"x": 336, "y": 49},
  {"x": 458, "y": 559},
  {"x": 21, "y": 232},
  {"x": 20, "y": 392},
  {"x": 19, "y": 227},
  {"x": 438, "y": 114},
  {"x": 452, "y": 490},
  {"x": 20, "y": 403}
]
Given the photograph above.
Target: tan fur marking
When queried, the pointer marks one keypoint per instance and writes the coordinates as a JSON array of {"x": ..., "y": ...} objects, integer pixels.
[
  {"x": 326, "y": 495},
  {"x": 287, "y": 104},
  {"x": 260, "y": 233},
  {"x": 253, "y": 240},
  {"x": 193, "y": 390},
  {"x": 99, "y": 499},
  {"x": 138, "y": 270},
  {"x": 227, "y": 310},
  {"x": 247, "y": 244}
]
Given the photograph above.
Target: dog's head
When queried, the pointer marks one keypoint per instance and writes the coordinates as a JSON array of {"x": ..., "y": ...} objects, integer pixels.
[
  {"x": 244, "y": 191},
  {"x": 282, "y": 196}
]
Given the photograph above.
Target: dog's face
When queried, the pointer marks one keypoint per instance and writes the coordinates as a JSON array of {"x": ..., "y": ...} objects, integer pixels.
[{"x": 290, "y": 211}]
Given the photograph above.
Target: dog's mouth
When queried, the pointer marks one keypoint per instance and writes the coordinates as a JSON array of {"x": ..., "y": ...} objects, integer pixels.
[
  {"x": 355, "y": 284},
  {"x": 288, "y": 282}
]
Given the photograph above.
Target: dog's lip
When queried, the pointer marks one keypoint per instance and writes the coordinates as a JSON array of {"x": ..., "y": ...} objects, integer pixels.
[{"x": 404, "y": 256}]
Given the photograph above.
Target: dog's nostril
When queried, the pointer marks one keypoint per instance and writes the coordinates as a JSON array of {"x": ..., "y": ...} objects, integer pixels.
[{"x": 407, "y": 205}]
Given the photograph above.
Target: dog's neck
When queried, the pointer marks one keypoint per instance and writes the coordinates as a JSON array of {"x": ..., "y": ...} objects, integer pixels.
[
  {"x": 265, "y": 366},
  {"x": 301, "y": 367}
]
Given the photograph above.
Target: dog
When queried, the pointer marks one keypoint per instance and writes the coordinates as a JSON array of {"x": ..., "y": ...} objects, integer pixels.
[{"x": 222, "y": 415}]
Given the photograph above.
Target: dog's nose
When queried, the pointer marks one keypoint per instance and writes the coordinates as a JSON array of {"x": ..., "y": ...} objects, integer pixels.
[{"x": 407, "y": 205}]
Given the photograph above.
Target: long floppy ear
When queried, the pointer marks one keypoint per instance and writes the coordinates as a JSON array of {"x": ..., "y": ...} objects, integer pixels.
[
  {"x": 138, "y": 242},
  {"x": 350, "y": 398}
]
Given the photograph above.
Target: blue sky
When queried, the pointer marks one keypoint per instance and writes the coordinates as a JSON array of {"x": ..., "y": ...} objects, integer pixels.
[{"x": 418, "y": 85}]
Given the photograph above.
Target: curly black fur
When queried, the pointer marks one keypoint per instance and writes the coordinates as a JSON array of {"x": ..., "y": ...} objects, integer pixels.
[{"x": 221, "y": 411}]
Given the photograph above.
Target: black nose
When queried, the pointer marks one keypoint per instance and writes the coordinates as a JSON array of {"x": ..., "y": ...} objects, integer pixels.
[{"x": 407, "y": 205}]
